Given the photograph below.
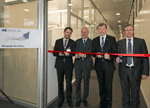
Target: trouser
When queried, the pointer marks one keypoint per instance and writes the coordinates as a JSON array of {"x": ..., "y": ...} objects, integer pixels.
[
  {"x": 105, "y": 79},
  {"x": 86, "y": 77},
  {"x": 129, "y": 82},
  {"x": 60, "y": 78}
]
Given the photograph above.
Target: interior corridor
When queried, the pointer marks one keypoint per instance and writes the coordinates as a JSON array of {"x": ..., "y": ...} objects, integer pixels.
[{"x": 94, "y": 99}]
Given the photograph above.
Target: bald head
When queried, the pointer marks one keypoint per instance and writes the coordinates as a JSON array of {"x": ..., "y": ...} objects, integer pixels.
[{"x": 84, "y": 32}]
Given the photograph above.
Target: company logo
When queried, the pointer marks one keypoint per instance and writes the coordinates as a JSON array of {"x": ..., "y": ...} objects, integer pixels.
[{"x": 23, "y": 38}]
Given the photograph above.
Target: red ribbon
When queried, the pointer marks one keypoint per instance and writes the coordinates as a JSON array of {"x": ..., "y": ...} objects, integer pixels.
[{"x": 133, "y": 55}]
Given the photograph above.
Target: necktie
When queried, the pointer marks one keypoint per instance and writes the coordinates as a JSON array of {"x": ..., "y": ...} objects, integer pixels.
[
  {"x": 65, "y": 45},
  {"x": 129, "y": 59},
  {"x": 83, "y": 43},
  {"x": 102, "y": 44}
]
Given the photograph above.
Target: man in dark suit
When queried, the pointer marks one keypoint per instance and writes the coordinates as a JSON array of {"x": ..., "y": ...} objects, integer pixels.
[
  {"x": 64, "y": 65},
  {"x": 104, "y": 65},
  {"x": 83, "y": 64},
  {"x": 132, "y": 69}
]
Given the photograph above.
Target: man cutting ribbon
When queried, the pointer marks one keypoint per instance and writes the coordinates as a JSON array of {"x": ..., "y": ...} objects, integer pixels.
[{"x": 132, "y": 69}]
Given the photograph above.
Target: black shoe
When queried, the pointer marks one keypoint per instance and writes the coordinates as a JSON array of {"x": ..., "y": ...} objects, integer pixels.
[
  {"x": 70, "y": 103},
  {"x": 60, "y": 102},
  {"x": 77, "y": 103},
  {"x": 85, "y": 103}
]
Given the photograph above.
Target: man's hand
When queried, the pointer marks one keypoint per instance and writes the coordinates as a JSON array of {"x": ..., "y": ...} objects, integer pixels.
[
  {"x": 76, "y": 55},
  {"x": 106, "y": 56},
  {"x": 60, "y": 54},
  {"x": 81, "y": 55},
  {"x": 66, "y": 53},
  {"x": 117, "y": 60},
  {"x": 99, "y": 56},
  {"x": 144, "y": 77}
]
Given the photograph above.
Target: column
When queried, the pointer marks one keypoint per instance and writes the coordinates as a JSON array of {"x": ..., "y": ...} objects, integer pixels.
[
  {"x": 90, "y": 30},
  {"x": 82, "y": 13},
  {"x": 68, "y": 13},
  {"x": 95, "y": 24}
]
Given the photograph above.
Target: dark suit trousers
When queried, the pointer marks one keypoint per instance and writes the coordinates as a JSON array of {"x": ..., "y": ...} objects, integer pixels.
[
  {"x": 105, "y": 79},
  {"x": 78, "y": 76},
  {"x": 60, "y": 78},
  {"x": 128, "y": 82}
]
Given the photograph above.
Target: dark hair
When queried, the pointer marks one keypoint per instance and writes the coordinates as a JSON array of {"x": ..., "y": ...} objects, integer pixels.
[
  {"x": 127, "y": 26},
  {"x": 101, "y": 24},
  {"x": 68, "y": 28}
]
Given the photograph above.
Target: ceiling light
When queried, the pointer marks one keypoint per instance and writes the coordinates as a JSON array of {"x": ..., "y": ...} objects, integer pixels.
[
  {"x": 119, "y": 25},
  {"x": 117, "y": 13},
  {"x": 120, "y": 28},
  {"x": 25, "y": 0},
  {"x": 119, "y": 21},
  {"x": 26, "y": 10},
  {"x": 70, "y": 4},
  {"x": 71, "y": 10}
]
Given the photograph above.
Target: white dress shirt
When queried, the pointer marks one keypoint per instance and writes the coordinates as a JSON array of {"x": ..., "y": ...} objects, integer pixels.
[{"x": 132, "y": 64}]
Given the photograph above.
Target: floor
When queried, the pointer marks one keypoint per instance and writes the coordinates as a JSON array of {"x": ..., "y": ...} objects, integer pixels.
[{"x": 93, "y": 98}]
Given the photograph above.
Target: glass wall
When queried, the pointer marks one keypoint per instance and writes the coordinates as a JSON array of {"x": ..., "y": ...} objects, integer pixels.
[{"x": 18, "y": 67}]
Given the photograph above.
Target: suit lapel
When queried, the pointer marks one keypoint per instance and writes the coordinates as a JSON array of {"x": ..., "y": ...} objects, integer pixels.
[
  {"x": 124, "y": 46},
  {"x": 62, "y": 45},
  {"x": 80, "y": 44},
  {"x": 134, "y": 60},
  {"x": 99, "y": 44}
]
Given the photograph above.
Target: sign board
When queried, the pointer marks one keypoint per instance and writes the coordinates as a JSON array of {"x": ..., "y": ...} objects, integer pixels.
[{"x": 20, "y": 38}]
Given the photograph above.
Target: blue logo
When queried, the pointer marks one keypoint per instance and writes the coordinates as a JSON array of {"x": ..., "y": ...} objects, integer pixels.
[{"x": 26, "y": 36}]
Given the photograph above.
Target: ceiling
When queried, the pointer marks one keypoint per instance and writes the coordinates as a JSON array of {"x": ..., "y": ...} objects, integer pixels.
[{"x": 108, "y": 8}]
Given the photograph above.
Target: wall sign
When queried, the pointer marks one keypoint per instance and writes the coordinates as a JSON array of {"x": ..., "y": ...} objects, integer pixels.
[{"x": 20, "y": 38}]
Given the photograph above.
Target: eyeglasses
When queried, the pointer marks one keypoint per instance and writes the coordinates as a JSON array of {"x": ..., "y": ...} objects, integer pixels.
[{"x": 129, "y": 30}]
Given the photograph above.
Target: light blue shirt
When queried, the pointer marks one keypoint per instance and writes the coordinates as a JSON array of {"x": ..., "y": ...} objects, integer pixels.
[{"x": 132, "y": 64}]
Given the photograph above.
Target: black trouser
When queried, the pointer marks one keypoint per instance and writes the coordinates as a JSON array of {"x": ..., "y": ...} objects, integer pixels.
[
  {"x": 105, "y": 79},
  {"x": 78, "y": 76},
  {"x": 129, "y": 82},
  {"x": 60, "y": 78}
]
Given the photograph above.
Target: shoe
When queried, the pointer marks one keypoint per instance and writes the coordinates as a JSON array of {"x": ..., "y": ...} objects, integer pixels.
[
  {"x": 70, "y": 103},
  {"x": 77, "y": 103},
  {"x": 85, "y": 102},
  {"x": 60, "y": 102}
]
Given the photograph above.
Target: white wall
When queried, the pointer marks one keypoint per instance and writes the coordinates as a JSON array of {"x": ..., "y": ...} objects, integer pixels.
[{"x": 142, "y": 26}]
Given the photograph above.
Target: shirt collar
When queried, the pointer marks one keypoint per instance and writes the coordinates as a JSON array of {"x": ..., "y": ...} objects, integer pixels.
[
  {"x": 85, "y": 39},
  {"x": 128, "y": 38},
  {"x": 103, "y": 36},
  {"x": 65, "y": 39}
]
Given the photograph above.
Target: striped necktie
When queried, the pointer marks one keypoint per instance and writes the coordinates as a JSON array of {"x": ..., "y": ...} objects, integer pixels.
[
  {"x": 129, "y": 59},
  {"x": 102, "y": 44},
  {"x": 83, "y": 43},
  {"x": 65, "y": 44}
]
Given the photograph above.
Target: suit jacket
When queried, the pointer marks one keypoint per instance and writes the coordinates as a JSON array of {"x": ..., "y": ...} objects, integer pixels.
[
  {"x": 68, "y": 59},
  {"x": 87, "y": 62},
  {"x": 110, "y": 46},
  {"x": 141, "y": 64}
]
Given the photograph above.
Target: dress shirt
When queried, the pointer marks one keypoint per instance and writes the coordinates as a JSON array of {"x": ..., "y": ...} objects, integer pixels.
[
  {"x": 101, "y": 39},
  {"x": 64, "y": 44},
  {"x": 64, "y": 41},
  {"x": 132, "y": 64},
  {"x": 83, "y": 43},
  {"x": 84, "y": 39}
]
